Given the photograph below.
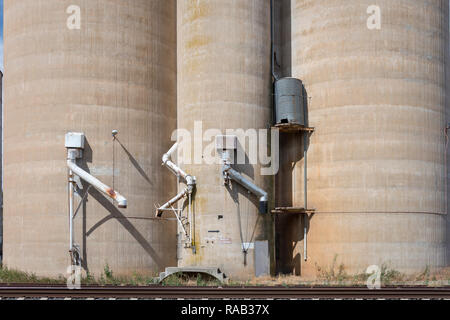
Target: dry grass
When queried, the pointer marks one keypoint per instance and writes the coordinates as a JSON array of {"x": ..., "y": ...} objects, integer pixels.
[
  {"x": 199, "y": 280},
  {"x": 334, "y": 275},
  {"x": 8, "y": 275},
  {"x": 14, "y": 276}
]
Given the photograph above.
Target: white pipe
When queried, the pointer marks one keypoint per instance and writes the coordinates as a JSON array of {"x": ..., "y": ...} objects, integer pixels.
[
  {"x": 190, "y": 218},
  {"x": 190, "y": 181},
  {"x": 71, "y": 210},
  {"x": 171, "y": 202},
  {"x": 71, "y": 156},
  {"x": 172, "y": 150},
  {"x": 121, "y": 201},
  {"x": 166, "y": 159}
]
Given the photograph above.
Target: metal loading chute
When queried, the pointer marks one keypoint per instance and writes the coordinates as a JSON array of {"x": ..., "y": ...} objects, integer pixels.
[
  {"x": 116, "y": 196},
  {"x": 225, "y": 145},
  {"x": 188, "y": 179},
  {"x": 231, "y": 174},
  {"x": 75, "y": 145}
]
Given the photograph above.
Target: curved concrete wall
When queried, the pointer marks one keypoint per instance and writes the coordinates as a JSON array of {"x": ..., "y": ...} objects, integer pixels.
[
  {"x": 376, "y": 166},
  {"x": 224, "y": 82},
  {"x": 118, "y": 71}
]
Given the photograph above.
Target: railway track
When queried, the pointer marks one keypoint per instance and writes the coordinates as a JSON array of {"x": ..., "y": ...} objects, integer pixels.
[{"x": 158, "y": 292}]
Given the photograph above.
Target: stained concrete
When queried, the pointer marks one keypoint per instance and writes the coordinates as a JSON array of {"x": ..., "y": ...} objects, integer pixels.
[
  {"x": 224, "y": 81},
  {"x": 117, "y": 72},
  {"x": 1, "y": 167},
  {"x": 376, "y": 162}
]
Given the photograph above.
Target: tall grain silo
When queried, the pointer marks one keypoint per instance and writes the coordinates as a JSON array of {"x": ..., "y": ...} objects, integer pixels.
[
  {"x": 1, "y": 170},
  {"x": 224, "y": 83},
  {"x": 116, "y": 72},
  {"x": 376, "y": 161}
]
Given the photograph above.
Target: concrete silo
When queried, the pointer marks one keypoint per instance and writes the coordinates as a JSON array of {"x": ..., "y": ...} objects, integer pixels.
[
  {"x": 376, "y": 161},
  {"x": 117, "y": 71},
  {"x": 224, "y": 83},
  {"x": 1, "y": 170}
]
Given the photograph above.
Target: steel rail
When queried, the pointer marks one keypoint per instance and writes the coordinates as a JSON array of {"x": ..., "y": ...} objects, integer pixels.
[{"x": 152, "y": 292}]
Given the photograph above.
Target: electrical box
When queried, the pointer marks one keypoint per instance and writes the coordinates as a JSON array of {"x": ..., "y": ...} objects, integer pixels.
[
  {"x": 226, "y": 142},
  {"x": 74, "y": 140},
  {"x": 262, "y": 258}
]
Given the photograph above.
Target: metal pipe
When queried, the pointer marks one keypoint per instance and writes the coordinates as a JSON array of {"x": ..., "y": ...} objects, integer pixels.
[
  {"x": 190, "y": 218},
  {"x": 71, "y": 157},
  {"x": 171, "y": 202},
  {"x": 121, "y": 200},
  {"x": 187, "y": 192},
  {"x": 305, "y": 186},
  {"x": 71, "y": 202},
  {"x": 272, "y": 40},
  {"x": 171, "y": 150},
  {"x": 305, "y": 170},
  {"x": 305, "y": 236},
  {"x": 229, "y": 172},
  {"x": 190, "y": 181},
  {"x": 166, "y": 159}
]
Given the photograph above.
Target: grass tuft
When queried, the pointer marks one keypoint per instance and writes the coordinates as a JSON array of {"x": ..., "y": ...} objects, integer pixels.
[
  {"x": 14, "y": 276},
  {"x": 194, "y": 279}
]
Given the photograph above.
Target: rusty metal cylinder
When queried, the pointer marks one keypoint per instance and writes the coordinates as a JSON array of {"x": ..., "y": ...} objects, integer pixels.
[
  {"x": 224, "y": 83},
  {"x": 376, "y": 87},
  {"x": 116, "y": 70}
]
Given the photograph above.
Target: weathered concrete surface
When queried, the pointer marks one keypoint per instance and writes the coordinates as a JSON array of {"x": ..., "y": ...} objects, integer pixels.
[
  {"x": 376, "y": 163},
  {"x": 117, "y": 72},
  {"x": 1, "y": 168},
  {"x": 224, "y": 81},
  {"x": 447, "y": 153}
]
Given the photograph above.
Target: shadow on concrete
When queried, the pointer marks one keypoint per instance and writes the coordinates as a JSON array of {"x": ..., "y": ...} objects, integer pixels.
[
  {"x": 114, "y": 213},
  {"x": 249, "y": 234},
  {"x": 245, "y": 168},
  {"x": 135, "y": 163},
  {"x": 83, "y": 164},
  {"x": 289, "y": 228}
]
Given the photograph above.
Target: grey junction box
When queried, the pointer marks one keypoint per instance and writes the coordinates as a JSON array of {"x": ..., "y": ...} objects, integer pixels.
[
  {"x": 74, "y": 140},
  {"x": 262, "y": 258}
]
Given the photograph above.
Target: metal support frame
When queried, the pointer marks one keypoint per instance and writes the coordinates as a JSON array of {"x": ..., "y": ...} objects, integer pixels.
[
  {"x": 74, "y": 152},
  {"x": 306, "y": 133},
  {"x": 190, "y": 182}
]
